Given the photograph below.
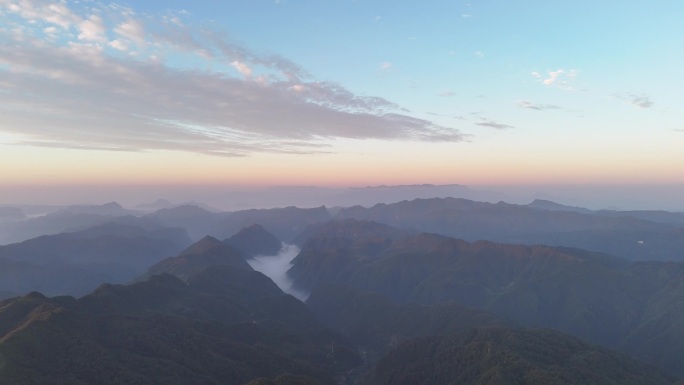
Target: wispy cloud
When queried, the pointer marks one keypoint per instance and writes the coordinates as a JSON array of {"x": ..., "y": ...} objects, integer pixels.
[
  {"x": 447, "y": 94},
  {"x": 490, "y": 123},
  {"x": 385, "y": 66},
  {"x": 640, "y": 101},
  {"x": 104, "y": 78},
  {"x": 537, "y": 107}
]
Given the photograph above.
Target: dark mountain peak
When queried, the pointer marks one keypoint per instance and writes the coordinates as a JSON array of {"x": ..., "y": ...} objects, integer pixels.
[
  {"x": 34, "y": 295},
  {"x": 181, "y": 212},
  {"x": 543, "y": 204},
  {"x": 202, "y": 246},
  {"x": 107, "y": 209},
  {"x": 19, "y": 313},
  {"x": 255, "y": 240},
  {"x": 206, "y": 252},
  {"x": 255, "y": 227},
  {"x": 285, "y": 223},
  {"x": 391, "y": 213}
]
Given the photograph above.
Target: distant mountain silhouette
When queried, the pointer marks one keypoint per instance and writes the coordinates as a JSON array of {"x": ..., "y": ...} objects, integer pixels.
[
  {"x": 108, "y": 209},
  {"x": 350, "y": 229},
  {"x": 75, "y": 263},
  {"x": 196, "y": 220},
  {"x": 553, "y": 206},
  {"x": 542, "y": 223},
  {"x": 285, "y": 223},
  {"x": 255, "y": 240},
  {"x": 156, "y": 205},
  {"x": 18, "y": 277},
  {"x": 659, "y": 216},
  {"x": 11, "y": 214},
  {"x": 312, "y": 196}
]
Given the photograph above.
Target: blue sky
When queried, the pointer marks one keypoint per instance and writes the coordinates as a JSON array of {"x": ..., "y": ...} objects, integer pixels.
[{"x": 341, "y": 92}]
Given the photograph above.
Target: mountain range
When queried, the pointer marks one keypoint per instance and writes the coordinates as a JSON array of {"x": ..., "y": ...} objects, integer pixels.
[
  {"x": 227, "y": 324},
  {"x": 76, "y": 263},
  {"x": 428, "y": 291},
  {"x": 636, "y": 235},
  {"x": 631, "y": 306}
]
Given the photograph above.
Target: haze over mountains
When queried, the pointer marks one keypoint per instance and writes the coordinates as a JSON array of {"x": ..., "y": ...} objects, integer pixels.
[
  {"x": 216, "y": 198},
  {"x": 428, "y": 290}
]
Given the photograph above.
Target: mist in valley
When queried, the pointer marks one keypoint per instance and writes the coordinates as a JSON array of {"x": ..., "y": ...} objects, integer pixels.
[{"x": 276, "y": 267}]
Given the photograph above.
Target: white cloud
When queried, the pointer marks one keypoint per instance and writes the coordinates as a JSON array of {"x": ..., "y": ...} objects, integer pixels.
[
  {"x": 50, "y": 12},
  {"x": 76, "y": 95},
  {"x": 131, "y": 29},
  {"x": 560, "y": 78},
  {"x": 553, "y": 76},
  {"x": 118, "y": 44},
  {"x": 92, "y": 29},
  {"x": 479, "y": 54},
  {"x": 242, "y": 68},
  {"x": 385, "y": 65}
]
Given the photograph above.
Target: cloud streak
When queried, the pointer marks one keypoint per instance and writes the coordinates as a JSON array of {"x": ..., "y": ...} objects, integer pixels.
[
  {"x": 76, "y": 78},
  {"x": 537, "y": 107},
  {"x": 640, "y": 101},
  {"x": 493, "y": 124}
]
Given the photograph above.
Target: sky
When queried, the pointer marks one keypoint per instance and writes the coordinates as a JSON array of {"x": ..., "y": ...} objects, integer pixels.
[{"x": 340, "y": 93}]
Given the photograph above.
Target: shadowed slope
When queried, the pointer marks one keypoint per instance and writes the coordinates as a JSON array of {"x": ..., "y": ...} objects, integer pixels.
[{"x": 206, "y": 252}]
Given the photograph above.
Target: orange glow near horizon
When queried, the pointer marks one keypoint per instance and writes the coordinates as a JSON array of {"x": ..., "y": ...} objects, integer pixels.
[{"x": 349, "y": 164}]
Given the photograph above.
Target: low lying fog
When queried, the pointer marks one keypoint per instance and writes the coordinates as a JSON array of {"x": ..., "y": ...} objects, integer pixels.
[{"x": 276, "y": 266}]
